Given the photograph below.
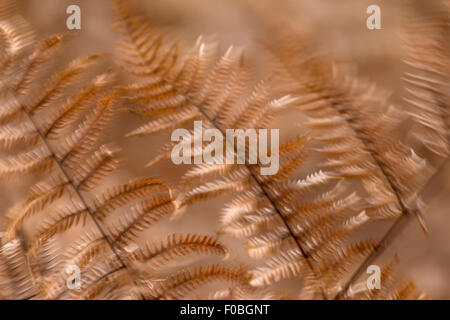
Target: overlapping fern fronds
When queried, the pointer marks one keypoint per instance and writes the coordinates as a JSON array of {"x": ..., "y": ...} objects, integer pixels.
[
  {"x": 48, "y": 129},
  {"x": 302, "y": 226},
  {"x": 298, "y": 223}
]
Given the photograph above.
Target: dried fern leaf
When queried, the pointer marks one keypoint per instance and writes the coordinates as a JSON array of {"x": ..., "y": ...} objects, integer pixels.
[
  {"x": 426, "y": 94},
  {"x": 176, "y": 246},
  {"x": 58, "y": 82},
  {"x": 43, "y": 194},
  {"x": 130, "y": 226},
  {"x": 124, "y": 194},
  {"x": 72, "y": 108},
  {"x": 185, "y": 282}
]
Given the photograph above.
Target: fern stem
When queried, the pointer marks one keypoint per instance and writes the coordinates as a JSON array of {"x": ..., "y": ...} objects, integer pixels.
[
  {"x": 75, "y": 189},
  {"x": 265, "y": 192},
  {"x": 254, "y": 177},
  {"x": 291, "y": 232},
  {"x": 397, "y": 226}
]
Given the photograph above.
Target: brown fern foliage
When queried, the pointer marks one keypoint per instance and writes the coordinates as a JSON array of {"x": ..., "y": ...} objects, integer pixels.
[
  {"x": 302, "y": 224},
  {"x": 48, "y": 129}
]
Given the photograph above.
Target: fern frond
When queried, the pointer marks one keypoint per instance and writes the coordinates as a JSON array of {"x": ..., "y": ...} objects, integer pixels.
[
  {"x": 61, "y": 135},
  {"x": 176, "y": 245},
  {"x": 287, "y": 264},
  {"x": 37, "y": 159},
  {"x": 81, "y": 142},
  {"x": 187, "y": 281},
  {"x": 268, "y": 221},
  {"x": 24, "y": 134},
  {"x": 58, "y": 82},
  {"x": 17, "y": 35},
  {"x": 41, "y": 54},
  {"x": 356, "y": 147},
  {"x": 43, "y": 194},
  {"x": 129, "y": 226},
  {"x": 62, "y": 221},
  {"x": 426, "y": 92},
  {"x": 173, "y": 120},
  {"x": 17, "y": 269},
  {"x": 235, "y": 181},
  {"x": 73, "y": 107},
  {"x": 124, "y": 194},
  {"x": 81, "y": 254},
  {"x": 97, "y": 166},
  {"x": 10, "y": 108}
]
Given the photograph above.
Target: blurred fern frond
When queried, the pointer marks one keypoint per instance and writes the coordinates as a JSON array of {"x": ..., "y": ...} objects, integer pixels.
[{"x": 426, "y": 92}]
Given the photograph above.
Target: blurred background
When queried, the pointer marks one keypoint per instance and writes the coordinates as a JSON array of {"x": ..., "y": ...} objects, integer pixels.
[{"x": 336, "y": 27}]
